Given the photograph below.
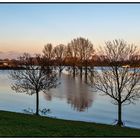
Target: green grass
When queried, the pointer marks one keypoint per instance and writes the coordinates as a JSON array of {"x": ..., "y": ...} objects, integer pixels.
[{"x": 20, "y": 125}]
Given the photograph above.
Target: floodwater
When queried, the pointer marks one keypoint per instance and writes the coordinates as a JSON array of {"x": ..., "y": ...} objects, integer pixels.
[{"x": 71, "y": 100}]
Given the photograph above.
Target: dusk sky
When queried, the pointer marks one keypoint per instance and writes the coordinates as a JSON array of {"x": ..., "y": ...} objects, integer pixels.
[{"x": 28, "y": 27}]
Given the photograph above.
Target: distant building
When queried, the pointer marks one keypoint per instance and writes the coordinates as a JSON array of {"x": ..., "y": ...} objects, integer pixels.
[{"x": 4, "y": 63}]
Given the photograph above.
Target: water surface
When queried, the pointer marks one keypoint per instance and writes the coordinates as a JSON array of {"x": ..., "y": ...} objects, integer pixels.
[{"x": 71, "y": 100}]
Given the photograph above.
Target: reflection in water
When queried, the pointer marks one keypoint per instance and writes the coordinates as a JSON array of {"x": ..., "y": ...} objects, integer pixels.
[
  {"x": 48, "y": 96},
  {"x": 29, "y": 110},
  {"x": 76, "y": 92},
  {"x": 99, "y": 111},
  {"x": 78, "y": 95}
]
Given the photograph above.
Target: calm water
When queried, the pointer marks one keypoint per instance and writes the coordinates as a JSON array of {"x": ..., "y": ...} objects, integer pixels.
[{"x": 72, "y": 100}]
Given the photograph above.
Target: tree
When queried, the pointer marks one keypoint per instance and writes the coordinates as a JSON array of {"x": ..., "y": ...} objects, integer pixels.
[
  {"x": 48, "y": 57},
  {"x": 85, "y": 52},
  {"x": 33, "y": 79},
  {"x": 82, "y": 50},
  {"x": 48, "y": 51},
  {"x": 120, "y": 82},
  {"x": 59, "y": 54},
  {"x": 72, "y": 57}
]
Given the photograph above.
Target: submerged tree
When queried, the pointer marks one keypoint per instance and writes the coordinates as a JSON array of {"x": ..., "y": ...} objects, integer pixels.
[
  {"x": 118, "y": 81},
  {"x": 85, "y": 51},
  {"x": 60, "y": 54},
  {"x": 72, "y": 57},
  {"x": 81, "y": 51},
  {"x": 48, "y": 51},
  {"x": 48, "y": 57},
  {"x": 32, "y": 78}
]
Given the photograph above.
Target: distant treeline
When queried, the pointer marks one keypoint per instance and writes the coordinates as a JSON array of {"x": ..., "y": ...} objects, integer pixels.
[{"x": 78, "y": 54}]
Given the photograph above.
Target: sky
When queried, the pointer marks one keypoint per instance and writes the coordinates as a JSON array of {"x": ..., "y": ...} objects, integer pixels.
[{"x": 28, "y": 27}]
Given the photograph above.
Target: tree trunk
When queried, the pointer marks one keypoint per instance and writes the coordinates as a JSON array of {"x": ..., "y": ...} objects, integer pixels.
[
  {"x": 60, "y": 72},
  {"x": 86, "y": 73},
  {"x": 119, "y": 123},
  {"x": 73, "y": 71},
  {"x": 37, "y": 103},
  {"x": 92, "y": 71},
  {"x": 81, "y": 71}
]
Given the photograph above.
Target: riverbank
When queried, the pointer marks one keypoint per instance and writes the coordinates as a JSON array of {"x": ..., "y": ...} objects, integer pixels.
[{"x": 23, "y": 125}]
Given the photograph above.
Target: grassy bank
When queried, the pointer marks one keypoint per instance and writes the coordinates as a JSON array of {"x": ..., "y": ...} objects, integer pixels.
[{"x": 16, "y": 124}]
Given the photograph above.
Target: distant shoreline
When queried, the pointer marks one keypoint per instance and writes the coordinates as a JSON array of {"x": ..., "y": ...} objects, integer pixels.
[{"x": 21, "y": 68}]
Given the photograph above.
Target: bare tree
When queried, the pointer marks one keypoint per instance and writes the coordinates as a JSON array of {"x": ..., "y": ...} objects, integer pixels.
[
  {"x": 60, "y": 54},
  {"x": 85, "y": 52},
  {"x": 82, "y": 50},
  {"x": 72, "y": 57},
  {"x": 33, "y": 79},
  {"x": 48, "y": 51},
  {"x": 48, "y": 57},
  {"x": 120, "y": 82}
]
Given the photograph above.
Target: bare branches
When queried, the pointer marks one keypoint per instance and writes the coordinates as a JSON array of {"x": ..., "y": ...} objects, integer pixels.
[
  {"x": 116, "y": 81},
  {"x": 121, "y": 83},
  {"x": 33, "y": 78},
  {"x": 48, "y": 51}
]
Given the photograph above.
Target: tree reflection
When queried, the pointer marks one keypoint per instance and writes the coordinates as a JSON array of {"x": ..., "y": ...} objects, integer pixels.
[
  {"x": 48, "y": 96},
  {"x": 75, "y": 91},
  {"x": 79, "y": 95}
]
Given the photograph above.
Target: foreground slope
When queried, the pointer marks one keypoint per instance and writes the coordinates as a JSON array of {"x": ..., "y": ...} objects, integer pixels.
[{"x": 19, "y": 125}]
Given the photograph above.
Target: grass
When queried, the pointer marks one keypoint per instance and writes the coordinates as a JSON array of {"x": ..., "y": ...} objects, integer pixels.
[{"x": 23, "y": 125}]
